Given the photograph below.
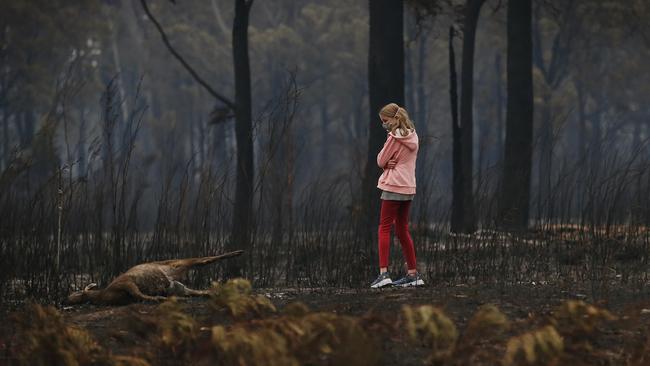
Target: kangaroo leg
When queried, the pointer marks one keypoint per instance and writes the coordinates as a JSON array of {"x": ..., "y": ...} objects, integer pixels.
[
  {"x": 134, "y": 291},
  {"x": 178, "y": 289}
]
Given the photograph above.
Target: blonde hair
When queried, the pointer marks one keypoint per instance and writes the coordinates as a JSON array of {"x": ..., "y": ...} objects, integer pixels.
[{"x": 392, "y": 110}]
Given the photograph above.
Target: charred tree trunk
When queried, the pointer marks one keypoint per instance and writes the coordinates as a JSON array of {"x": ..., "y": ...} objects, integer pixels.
[
  {"x": 5, "y": 137},
  {"x": 472, "y": 11},
  {"x": 421, "y": 113},
  {"x": 545, "y": 160},
  {"x": 499, "y": 106},
  {"x": 386, "y": 85},
  {"x": 121, "y": 84},
  {"x": 457, "y": 197},
  {"x": 553, "y": 71},
  {"x": 409, "y": 79},
  {"x": 243, "y": 210},
  {"x": 596, "y": 141},
  {"x": 191, "y": 116},
  {"x": 26, "y": 129},
  {"x": 482, "y": 156},
  {"x": 582, "y": 120},
  {"x": 324, "y": 120},
  {"x": 515, "y": 188},
  {"x": 81, "y": 144}
]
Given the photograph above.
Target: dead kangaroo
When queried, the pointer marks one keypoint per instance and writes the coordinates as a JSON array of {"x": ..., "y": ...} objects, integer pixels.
[{"x": 152, "y": 281}]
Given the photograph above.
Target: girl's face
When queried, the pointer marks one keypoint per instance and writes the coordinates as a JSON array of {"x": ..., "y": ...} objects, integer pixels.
[{"x": 387, "y": 122}]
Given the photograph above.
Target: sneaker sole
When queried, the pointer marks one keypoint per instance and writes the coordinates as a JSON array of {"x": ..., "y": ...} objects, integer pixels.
[
  {"x": 414, "y": 283},
  {"x": 382, "y": 283}
]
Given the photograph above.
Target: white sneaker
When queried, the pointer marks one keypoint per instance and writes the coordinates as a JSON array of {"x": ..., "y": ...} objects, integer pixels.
[
  {"x": 409, "y": 280},
  {"x": 382, "y": 280}
]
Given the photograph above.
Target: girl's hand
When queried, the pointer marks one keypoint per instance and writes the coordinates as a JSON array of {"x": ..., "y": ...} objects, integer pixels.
[{"x": 391, "y": 164}]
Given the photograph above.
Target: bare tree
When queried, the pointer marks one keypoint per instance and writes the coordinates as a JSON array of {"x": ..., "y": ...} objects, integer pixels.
[
  {"x": 386, "y": 85},
  {"x": 515, "y": 187},
  {"x": 472, "y": 11},
  {"x": 241, "y": 221},
  {"x": 554, "y": 72},
  {"x": 243, "y": 206},
  {"x": 457, "y": 197}
]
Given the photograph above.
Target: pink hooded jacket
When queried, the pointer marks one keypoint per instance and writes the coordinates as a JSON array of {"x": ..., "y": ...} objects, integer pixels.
[{"x": 404, "y": 149}]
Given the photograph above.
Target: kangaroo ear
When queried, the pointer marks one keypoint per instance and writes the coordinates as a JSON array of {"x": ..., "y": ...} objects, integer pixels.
[{"x": 90, "y": 287}]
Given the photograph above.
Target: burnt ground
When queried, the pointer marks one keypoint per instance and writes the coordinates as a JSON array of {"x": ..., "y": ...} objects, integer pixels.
[{"x": 527, "y": 306}]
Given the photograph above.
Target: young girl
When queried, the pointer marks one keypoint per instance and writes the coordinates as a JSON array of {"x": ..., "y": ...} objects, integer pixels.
[{"x": 397, "y": 183}]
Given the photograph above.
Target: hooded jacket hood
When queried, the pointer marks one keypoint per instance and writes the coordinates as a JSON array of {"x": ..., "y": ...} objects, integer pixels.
[{"x": 410, "y": 140}]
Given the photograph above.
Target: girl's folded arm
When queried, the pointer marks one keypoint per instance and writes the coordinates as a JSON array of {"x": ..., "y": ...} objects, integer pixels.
[{"x": 386, "y": 152}]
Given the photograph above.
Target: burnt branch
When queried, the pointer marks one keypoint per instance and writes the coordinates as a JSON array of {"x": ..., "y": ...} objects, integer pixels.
[{"x": 180, "y": 59}]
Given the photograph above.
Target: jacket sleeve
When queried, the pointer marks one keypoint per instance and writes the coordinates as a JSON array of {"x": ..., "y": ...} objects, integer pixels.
[{"x": 390, "y": 147}]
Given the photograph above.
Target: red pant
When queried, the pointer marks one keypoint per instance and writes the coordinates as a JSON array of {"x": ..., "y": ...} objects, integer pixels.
[{"x": 397, "y": 212}]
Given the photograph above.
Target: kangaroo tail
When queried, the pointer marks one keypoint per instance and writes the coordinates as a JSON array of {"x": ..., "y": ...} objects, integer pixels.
[{"x": 200, "y": 261}]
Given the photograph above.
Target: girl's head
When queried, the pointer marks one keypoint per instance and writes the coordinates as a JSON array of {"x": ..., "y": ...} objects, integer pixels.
[{"x": 393, "y": 117}]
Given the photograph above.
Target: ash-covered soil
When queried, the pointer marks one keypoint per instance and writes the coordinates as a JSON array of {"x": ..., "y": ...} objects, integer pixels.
[{"x": 526, "y": 306}]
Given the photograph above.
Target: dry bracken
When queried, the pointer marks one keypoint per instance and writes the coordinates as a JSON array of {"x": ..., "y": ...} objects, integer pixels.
[
  {"x": 430, "y": 325},
  {"x": 488, "y": 321},
  {"x": 578, "y": 317},
  {"x": 43, "y": 338},
  {"x": 540, "y": 347},
  {"x": 299, "y": 338},
  {"x": 240, "y": 346},
  {"x": 235, "y": 296}
]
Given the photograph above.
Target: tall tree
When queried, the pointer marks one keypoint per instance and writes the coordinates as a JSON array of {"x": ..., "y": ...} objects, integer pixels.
[
  {"x": 421, "y": 98},
  {"x": 499, "y": 105},
  {"x": 554, "y": 71},
  {"x": 242, "y": 106},
  {"x": 471, "y": 15},
  {"x": 385, "y": 85},
  {"x": 515, "y": 187},
  {"x": 241, "y": 224},
  {"x": 457, "y": 197}
]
